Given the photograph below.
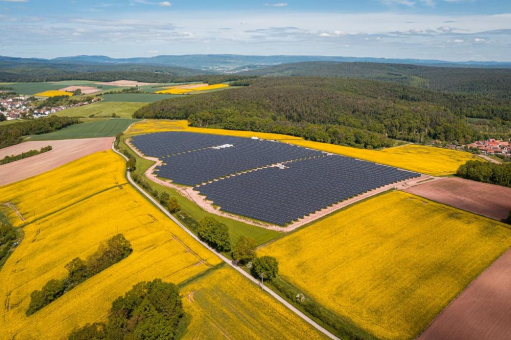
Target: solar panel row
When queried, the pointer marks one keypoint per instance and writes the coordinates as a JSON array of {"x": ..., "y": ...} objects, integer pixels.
[
  {"x": 282, "y": 196},
  {"x": 311, "y": 182}
]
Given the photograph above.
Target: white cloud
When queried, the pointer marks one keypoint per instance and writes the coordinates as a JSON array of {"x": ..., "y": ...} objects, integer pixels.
[
  {"x": 445, "y": 29},
  {"x": 279, "y": 4},
  {"x": 429, "y": 3},
  {"x": 165, "y": 4},
  {"x": 399, "y": 2}
]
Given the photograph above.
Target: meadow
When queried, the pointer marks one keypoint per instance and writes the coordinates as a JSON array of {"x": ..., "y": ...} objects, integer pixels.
[
  {"x": 135, "y": 97},
  {"x": 102, "y": 109},
  {"x": 424, "y": 159},
  {"x": 92, "y": 129},
  {"x": 74, "y": 227},
  {"x": 391, "y": 264},
  {"x": 225, "y": 305}
]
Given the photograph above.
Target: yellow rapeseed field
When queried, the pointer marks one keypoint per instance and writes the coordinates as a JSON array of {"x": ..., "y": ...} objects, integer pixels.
[
  {"x": 160, "y": 250},
  {"x": 210, "y": 87},
  {"x": 174, "y": 91},
  {"x": 392, "y": 263},
  {"x": 424, "y": 159},
  {"x": 225, "y": 305},
  {"x": 53, "y": 94},
  {"x": 38, "y": 196}
]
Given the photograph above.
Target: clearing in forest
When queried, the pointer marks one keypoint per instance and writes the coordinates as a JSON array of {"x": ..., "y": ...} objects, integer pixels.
[
  {"x": 102, "y": 110},
  {"x": 391, "y": 264}
]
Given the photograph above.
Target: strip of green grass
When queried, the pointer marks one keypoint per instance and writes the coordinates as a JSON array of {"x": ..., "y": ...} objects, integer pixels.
[
  {"x": 102, "y": 110},
  {"x": 136, "y": 97},
  {"x": 100, "y": 128}
]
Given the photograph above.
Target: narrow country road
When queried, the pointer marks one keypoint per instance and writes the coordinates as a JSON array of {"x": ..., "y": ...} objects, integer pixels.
[
  {"x": 489, "y": 159},
  {"x": 226, "y": 260}
]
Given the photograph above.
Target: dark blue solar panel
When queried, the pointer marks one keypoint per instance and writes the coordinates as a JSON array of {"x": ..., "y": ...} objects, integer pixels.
[
  {"x": 312, "y": 180},
  {"x": 282, "y": 196}
]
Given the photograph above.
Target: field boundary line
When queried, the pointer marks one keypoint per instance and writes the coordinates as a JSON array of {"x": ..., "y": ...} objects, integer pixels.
[
  {"x": 8, "y": 204},
  {"x": 226, "y": 260}
]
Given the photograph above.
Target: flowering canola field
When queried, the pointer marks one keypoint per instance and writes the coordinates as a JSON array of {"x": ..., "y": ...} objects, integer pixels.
[
  {"x": 424, "y": 159},
  {"x": 54, "y": 93},
  {"x": 77, "y": 222},
  {"x": 392, "y": 263},
  {"x": 225, "y": 305},
  {"x": 176, "y": 90},
  {"x": 38, "y": 196}
]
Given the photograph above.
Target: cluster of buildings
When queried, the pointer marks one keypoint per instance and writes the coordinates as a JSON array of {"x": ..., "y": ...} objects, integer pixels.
[
  {"x": 492, "y": 147},
  {"x": 21, "y": 107}
]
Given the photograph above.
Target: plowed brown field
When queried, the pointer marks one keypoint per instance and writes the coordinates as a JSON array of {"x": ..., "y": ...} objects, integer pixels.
[
  {"x": 489, "y": 200},
  {"x": 482, "y": 311},
  {"x": 64, "y": 151}
]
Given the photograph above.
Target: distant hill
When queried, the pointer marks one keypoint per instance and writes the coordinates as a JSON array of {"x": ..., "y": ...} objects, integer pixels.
[{"x": 450, "y": 79}]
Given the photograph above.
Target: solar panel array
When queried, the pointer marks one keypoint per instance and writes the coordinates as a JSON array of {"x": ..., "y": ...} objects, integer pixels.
[
  {"x": 310, "y": 181},
  {"x": 192, "y": 158},
  {"x": 280, "y": 196}
]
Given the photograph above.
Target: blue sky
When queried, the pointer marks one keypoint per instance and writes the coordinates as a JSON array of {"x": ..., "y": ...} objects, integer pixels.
[{"x": 454, "y": 30}]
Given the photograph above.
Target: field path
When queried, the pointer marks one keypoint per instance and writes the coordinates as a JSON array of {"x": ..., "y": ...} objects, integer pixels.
[
  {"x": 15, "y": 210},
  {"x": 64, "y": 151},
  {"x": 482, "y": 311},
  {"x": 226, "y": 260}
]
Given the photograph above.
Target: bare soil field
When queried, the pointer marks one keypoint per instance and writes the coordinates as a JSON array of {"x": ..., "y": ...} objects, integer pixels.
[
  {"x": 126, "y": 83},
  {"x": 482, "y": 311},
  {"x": 84, "y": 89},
  {"x": 489, "y": 200},
  {"x": 64, "y": 151}
]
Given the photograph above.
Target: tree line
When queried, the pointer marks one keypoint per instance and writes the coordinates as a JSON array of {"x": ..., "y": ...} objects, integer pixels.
[
  {"x": 13, "y": 133},
  {"x": 359, "y": 113},
  {"x": 30, "y": 153},
  {"x": 109, "y": 253},
  {"x": 486, "y": 172}
]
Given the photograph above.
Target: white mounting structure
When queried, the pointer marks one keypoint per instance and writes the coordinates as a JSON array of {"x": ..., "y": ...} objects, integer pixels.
[{"x": 223, "y": 146}]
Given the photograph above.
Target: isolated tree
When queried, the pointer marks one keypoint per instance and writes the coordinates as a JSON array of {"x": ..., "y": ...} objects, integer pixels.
[
  {"x": 244, "y": 250},
  {"x": 214, "y": 233},
  {"x": 173, "y": 205},
  {"x": 132, "y": 163},
  {"x": 2, "y": 117},
  {"x": 77, "y": 92},
  {"x": 266, "y": 267}
]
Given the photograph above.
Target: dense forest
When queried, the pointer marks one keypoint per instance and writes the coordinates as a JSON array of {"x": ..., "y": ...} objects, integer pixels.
[
  {"x": 448, "y": 79},
  {"x": 13, "y": 133},
  {"x": 360, "y": 113}
]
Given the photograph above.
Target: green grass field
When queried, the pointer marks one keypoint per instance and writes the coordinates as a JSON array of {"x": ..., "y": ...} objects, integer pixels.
[
  {"x": 102, "y": 109},
  {"x": 100, "y": 128},
  {"x": 136, "y": 97}
]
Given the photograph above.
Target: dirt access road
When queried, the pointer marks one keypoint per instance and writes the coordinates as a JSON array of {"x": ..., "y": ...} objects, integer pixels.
[{"x": 64, "y": 151}]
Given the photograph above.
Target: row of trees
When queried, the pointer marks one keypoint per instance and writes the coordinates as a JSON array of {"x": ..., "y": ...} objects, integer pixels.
[
  {"x": 30, "y": 153},
  {"x": 486, "y": 172},
  {"x": 352, "y": 112},
  {"x": 150, "y": 310},
  {"x": 109, "y": 253},
  {"x": 12, "y": 134},
  {"x": 7, "y": 238}
]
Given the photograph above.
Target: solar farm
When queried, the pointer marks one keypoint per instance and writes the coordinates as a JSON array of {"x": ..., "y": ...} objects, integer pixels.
[{"x": 263, "y": 180}]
